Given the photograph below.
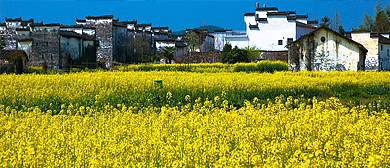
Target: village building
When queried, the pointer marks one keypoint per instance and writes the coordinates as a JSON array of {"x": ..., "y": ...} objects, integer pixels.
[
  {"x": 378, "y": 46},
  {"x": 326, "y": 50},
  {"x": 269, "y": 30}
]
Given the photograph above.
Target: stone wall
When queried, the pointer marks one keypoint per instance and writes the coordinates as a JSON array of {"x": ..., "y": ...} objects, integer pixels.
[
  {"x": 45, "y": 46},
  {"x": 104, "y": 35}
]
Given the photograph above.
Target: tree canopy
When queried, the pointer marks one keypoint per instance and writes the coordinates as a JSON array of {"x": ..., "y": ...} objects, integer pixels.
[{"x": 381, "y": 20}]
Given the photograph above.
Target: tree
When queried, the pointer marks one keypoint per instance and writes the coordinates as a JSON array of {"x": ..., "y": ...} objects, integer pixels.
[
  {"x": 381, "y": 20},
  {"x": 325, "y": 21},
  {"x": 367, "y": 23},
  {"x": 168, "y": 54},
  {"x": 142, "y": 49},
  {"x": 234, "y": 55},
  {"x": 253, "y": 53},
  {"x": 193, "y": 40}
]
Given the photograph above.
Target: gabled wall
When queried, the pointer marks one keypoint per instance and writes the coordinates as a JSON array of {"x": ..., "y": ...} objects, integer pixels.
[{"x": 335, "y": 53}]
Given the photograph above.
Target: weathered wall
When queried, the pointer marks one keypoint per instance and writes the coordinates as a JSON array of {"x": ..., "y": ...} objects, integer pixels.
[
  {"x": 11, "y": 35},
  {"x": 371, "y": 44},
  {"x": 45, "y": 46},
  {"x": 104, "y": 36},
  {"x": 121, "y": 41},
  {"x": 334, "y": 53},
  {"x": 26, "y": 47},
  {"x": 274, "y": 55},
  {"x": 71, "y": 50},
  {"x": 239, "y": 41}
]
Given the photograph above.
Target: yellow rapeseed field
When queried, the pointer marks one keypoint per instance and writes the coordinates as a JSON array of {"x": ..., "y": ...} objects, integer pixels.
[{"x": 122, "y": 119}]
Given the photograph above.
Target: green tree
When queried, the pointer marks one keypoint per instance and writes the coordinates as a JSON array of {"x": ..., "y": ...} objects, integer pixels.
[
  {"x": 325, "y": 21},
  {"x": 234, "y": 55},
  {"x": 381, "y": 20},
  {"x": 193, "y": 40},
  {"x": 253, "y": 53},
  {"x": 367, "y": 23},
  {"x": 168, "y": 53}
]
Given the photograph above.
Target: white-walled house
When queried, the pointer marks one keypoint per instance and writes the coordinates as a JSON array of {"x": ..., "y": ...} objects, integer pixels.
[
  {"x": 378, "y": 46},
  {"x": 326, "y": 50},
  {"x": 271, "y": 30}
]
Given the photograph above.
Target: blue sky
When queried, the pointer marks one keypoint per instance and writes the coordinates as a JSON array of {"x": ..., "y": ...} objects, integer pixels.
[{"x": 181, "y": 14}]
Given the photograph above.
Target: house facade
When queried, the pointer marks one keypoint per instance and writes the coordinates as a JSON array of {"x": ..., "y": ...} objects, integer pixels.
[
  {"x": 326, "y": 50},
  {"x": 270, "y": 29},
  {"x": 378, "y": 46}
]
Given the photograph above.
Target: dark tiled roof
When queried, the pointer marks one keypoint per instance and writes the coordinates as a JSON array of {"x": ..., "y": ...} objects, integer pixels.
[
  {"x": 261, "y": 19},
  {"x": 88, "y": 37},
  {"x": 119, "y": 24},
  {"x": 328, "y": 29},
  {"x": 312, "y": 22},
  {"x": 143, "y": 25},
  {"x": 384, "y": 40},
  {"x": 267, "y": 8},
  {"x": 13, "y": 20},
  {"x": 100, "y": 17},
  {"x": 360, "y": 31},
  {"x": 89, "y": 27},
  {"x": 70, "y": 34},
  {"x": 300, "y": 24},
  {"x": 2, "y": 24},
  {"x": 277, "y": 13},
  {"x": 254, "y": 26},
  {"x": 71, "y": 26},
  {"x": 302, "y": 16},
  {"x": 41, "y": 24},
  {"x": 77, "y": 20},
  {"x": 180, "y": 44},
  {"x": 249, "y": 14},
  {"x": 22, "y": 29}
]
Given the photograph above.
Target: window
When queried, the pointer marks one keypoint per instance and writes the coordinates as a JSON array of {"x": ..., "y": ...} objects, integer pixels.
[
  {"x": 280, "y": 42},
  {"x": 36, "y": 43},
  {"x": 323, "y": 39},
  {"x": 42, "y": 56},
  {"x": 289, "y": 40},
  {"x": 388, "y": 52},
  {"x": 381, "y": 47},
  {"x": 47, "y": 43}
]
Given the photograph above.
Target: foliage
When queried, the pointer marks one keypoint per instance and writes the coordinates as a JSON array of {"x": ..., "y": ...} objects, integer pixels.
[
  {"x": 234, "y": 55},
  {"x": 285, "y": 133},
  {"x": 193, "y": 40},
  {"x": 325, "y": 21},
  {"x": 380, "y": 22},
  {"x": 253, "y": 53},
  {"x": 263, "y": 66},
  {"x": 168, "y": 53}
]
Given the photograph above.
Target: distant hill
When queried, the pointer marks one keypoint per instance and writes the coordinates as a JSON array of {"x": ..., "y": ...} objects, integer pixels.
[{"x": 208, "y": 27}]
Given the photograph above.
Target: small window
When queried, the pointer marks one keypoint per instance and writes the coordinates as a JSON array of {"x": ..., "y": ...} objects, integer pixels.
[
  {"x": 289, "y": 40},
  {"x": 36, "y": 43},
  {"x": 47, "y": 43},
  {"x": 381, "y": 47},
  {"x": 388, "y": 54},
  {"x": 323, "y": 39},
  {"x": 280, "y": 42},
  {"x": 51, "y": 57},
  {"x": 42, "y": 56}
]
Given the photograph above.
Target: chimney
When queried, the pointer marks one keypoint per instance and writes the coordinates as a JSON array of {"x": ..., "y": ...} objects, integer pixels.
[{"x": 257, "y": 5}]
